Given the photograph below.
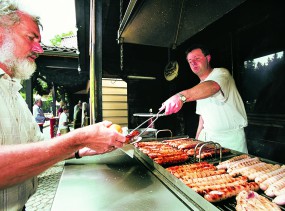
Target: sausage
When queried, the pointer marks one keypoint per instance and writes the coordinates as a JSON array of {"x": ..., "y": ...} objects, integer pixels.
[
  {"x": 189, "y": 167},
  {"x": 256, "y": 168},
  {"x": 188, "y": 145},
  {"x": 224, "y": 164},
  {"x": 280, "y": 192},
  {"x": 185, "y": 172},
  {"x": 264, "y": 185},
  {"x": 202, "y": 174},
  {"x": 242, "y": 170},
  {"x": 280, "y": 200},
  {"x": 275, "y": 187},
  {"x": 192, "y": 165},
  {"x": 252, "y": 176},
  {"x": 153, "y": 155},
  {"x": 182, "y": 143},
  {"x": 232, "y": 164},
  {"x": 206, "y": 189},
  {"x": 263, "y": 177},
  {"x": 171, "y": 159},
  {"x": 228, "y": 192},
  {"x": 215, "y": 178},
  {"x": 210, "y": 181},
  {"x": 243, "y": 163}
]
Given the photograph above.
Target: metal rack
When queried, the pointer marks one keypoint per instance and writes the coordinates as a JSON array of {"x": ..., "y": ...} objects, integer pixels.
[{"x": 192, "y": 199}]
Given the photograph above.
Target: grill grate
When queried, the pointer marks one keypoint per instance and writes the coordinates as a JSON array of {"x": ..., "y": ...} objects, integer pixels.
[{"x": 226, "y": 205}]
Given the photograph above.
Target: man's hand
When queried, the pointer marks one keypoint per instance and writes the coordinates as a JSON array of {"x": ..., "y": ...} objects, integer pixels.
[
  {"x": 99, "y": 138},
  {"x": 172, "y": 105}
]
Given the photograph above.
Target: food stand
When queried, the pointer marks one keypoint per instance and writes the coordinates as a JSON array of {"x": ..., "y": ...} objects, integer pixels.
[{"x": 115, "y": 181}]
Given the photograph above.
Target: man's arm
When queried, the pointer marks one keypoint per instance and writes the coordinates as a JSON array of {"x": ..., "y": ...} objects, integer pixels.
[
  {"x": 21, "y": 162},
  {"x": 200, "y": 127},
  {"x": 200, "y": 91}
]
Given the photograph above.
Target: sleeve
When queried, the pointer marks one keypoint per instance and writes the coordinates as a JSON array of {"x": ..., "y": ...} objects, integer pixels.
[{"x": 222, "y": 77}]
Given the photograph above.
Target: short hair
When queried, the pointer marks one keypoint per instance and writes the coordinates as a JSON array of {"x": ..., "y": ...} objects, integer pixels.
[
  {"x": 11, "y": 11},
  {"x": 38, "y": 98},
  {"x": 203, "y": 48}
]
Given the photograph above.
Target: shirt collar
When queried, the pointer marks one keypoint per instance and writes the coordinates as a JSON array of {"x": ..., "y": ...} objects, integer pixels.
[
  {"x": 2, "y": 72},
  {"x": 16, "y": 81}
]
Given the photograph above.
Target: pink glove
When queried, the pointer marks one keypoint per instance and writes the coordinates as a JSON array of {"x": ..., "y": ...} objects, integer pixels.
[{"x": 172, "y": 105}]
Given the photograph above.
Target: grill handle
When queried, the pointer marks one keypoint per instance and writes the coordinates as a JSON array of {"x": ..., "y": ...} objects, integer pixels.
[
  {"x": 164, "y": 130},
  {"x": 205, "y": 144}
]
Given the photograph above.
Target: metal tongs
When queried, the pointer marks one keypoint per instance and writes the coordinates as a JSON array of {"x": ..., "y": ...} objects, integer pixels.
[{"x": 134, "y": 138}]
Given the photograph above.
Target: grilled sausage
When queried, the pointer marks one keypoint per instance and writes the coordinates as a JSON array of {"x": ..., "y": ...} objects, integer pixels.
[
  {"x": 214, "y": 178},
  {"x": 264, "y": 185},
  {"x": 225, "y": 193},
  {"x": 253, "y": 175},
  {"x": 202, "y": 174},
  {"x": 280, "y": 192},
  {"x": 275, "y": 187},
  {"x": 242, "y": 170},
  {"x": 208, "y": 181},
  {"x": 206, "y": 189},
  {"x": 280, "y": 200},
  {"x": 171, "y": 159},
  {"x": 225, "y": 164},
  {"x": 263, "y": 177},
  {"x": 189, "y": 167},
  {"x": 243, "y": 163}
]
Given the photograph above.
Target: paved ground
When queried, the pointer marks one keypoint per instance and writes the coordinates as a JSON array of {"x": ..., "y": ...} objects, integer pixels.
[{"x": 48, "y": 182}]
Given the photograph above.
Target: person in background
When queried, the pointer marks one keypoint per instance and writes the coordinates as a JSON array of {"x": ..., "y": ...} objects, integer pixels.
[
  {"x": 63, "y": 122},
  {"x": 76, "y": 108},
  {"x": 60, "y": 110},
  {"x": 23, "y": 153},
  {"x": 38, "y": 112},
  {"x": 77, "y": 122},
  {"x": 219, "y": 105}
]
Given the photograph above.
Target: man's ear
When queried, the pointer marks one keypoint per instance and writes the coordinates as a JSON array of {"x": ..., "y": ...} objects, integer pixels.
[{"x": 209, "y": 57}]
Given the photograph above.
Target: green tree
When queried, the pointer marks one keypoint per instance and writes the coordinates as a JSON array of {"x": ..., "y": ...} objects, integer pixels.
[{"x": 56, "y": 41}]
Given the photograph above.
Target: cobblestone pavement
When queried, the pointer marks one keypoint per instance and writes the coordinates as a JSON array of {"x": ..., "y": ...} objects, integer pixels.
[{"x": 48, "y": 181}]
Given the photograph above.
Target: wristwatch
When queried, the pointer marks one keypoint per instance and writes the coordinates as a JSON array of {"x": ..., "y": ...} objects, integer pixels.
[{"x": 182, "y": 98}]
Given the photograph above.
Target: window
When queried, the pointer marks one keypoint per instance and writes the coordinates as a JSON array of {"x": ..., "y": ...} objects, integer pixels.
[{"x": 263, "y": 82}]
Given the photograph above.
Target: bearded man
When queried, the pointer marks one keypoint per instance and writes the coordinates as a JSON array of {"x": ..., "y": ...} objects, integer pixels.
[{"x": 22, "y": 153}]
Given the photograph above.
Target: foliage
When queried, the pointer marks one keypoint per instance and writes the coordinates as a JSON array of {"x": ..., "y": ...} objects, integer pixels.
[
  {"x": 41, "y": 87},
  {"x": 47, "y": 104},
  {"x": 56, "y": 41}
]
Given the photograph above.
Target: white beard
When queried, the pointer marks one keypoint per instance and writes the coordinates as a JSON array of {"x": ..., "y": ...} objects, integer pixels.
[{"x": 21, "y": 69}]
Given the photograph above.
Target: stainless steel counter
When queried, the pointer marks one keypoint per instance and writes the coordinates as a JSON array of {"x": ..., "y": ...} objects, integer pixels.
[{"x": 112, "y": 181}]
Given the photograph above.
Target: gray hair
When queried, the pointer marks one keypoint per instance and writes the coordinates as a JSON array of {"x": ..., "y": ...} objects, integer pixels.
[{"x": 9, "y": 15}]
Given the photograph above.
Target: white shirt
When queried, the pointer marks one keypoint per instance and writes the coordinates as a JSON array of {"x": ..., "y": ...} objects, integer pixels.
[
  {"x": 62, "y": 119},
  {"x": 17, "y": 126},
  {"x": 223, "y": 114},
  {"x": 225, "y": 110}
]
